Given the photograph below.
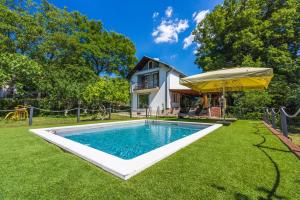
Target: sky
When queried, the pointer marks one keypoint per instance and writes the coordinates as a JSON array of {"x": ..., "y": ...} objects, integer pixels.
[{"x": 158, "y": 28}]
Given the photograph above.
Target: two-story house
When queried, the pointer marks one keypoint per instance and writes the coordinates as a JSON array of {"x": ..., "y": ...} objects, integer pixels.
[{"x": 155, "y": 85}]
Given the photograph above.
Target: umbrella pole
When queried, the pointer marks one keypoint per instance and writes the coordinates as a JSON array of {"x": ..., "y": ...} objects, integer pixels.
[{"x": 223, "y": 102}]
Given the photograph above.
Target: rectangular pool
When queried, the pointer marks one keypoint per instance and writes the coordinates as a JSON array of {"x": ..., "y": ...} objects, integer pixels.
[{"x": 126, "y": 148}]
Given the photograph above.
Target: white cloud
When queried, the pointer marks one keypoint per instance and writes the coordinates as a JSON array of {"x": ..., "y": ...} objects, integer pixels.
[
  {"x": 197, "y": 17},
  {"x": 169, "y": 11},
  {"x": 167, "y": 31},
  {"x": 172, "y": 57},
  {"x": 188, "y": 41},
  {"x": 155, "y": 14}
]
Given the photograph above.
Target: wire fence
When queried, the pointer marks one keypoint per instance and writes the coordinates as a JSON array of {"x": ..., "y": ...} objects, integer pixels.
[
  {"x": 280, "y": 119},
  {"x": 34, "y": 115}
]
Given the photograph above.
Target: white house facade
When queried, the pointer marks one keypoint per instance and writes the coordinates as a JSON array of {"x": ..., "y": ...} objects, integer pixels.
[{"x": 154, "y": 85}]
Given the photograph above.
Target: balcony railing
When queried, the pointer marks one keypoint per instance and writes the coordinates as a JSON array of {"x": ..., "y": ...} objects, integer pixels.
[{"x": 142, "y": 86}]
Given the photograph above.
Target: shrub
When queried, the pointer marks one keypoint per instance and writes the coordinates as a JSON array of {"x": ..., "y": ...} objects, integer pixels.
[{"x": 250, "y": 105}]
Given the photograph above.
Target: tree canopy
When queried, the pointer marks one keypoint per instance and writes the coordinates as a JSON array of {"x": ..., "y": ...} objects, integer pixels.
[
  {"x": 70, "y": 49},
  {"x": 18, "y": 72},
  {"x": 108, "y": 90},
  {"x": 254, "y": 33}
]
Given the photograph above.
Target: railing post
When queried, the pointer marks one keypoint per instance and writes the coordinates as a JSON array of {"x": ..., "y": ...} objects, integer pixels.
[
  {"x": 130, "y": 113},
  {"x": 273, "y": 118},
  {"x": 150, "y": 111},
  {"x": 146, "y": 112},
  {"x": 78, "y": 114},
  {"x": 30, "y": 115},
  {"x": 284, "y": 127},
  {"x": 109, "y": 113},
  {"x": 267, "y": 116}
]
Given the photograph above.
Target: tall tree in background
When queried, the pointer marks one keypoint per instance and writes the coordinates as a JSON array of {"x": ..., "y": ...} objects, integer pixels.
[
  {"x": 71, "y": 49},
  {"x": 71, "y": 38},
  {"x": 255, "y": 33},
  {"x": 18, "y": 72}
]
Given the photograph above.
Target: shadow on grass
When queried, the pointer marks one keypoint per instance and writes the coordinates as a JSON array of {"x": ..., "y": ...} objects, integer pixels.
[
  {"x": 237, "y": 195},
  {"x": 218, "y": 187},
  {"x": 270, "y": 193},
  {"x": 240, "y": 196}
]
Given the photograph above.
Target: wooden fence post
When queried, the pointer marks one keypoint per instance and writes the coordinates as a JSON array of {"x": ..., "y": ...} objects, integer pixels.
[
  {"x": 273, "y": 118},
  {"x": 78, "y": 114},
  {"x": 109, "y": 113},
  {"x": 146, "y": 113},
  {"x": 30, "y": 115},
  {"x": 78, "y": 111},
  {"x": 284, "y": 127},
  {"x": 130, "y": 113}
]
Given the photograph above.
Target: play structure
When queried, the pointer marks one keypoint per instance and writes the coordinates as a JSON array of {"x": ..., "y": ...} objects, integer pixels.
[{"x": 20, "y": 113}]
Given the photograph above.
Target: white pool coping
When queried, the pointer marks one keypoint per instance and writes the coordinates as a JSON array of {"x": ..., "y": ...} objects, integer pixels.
[{"x": 113, "y": 164}]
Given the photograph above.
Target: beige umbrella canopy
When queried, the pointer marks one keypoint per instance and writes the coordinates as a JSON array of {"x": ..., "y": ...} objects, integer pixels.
[{"x": 234, "y": 79}]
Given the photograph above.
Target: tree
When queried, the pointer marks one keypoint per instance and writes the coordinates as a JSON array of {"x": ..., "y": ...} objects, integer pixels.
[
  {"x": 70, "y": 49},
  {"x": 18, "y": 72},
  {"x": 107, "y": 91},
  {"x": 251, "y": 104},
  {"x": 19, "y": 31},
  {"x": 71, "y": 38},
  {"x": 64, "y": 86},
  {"x": 254, "y": 33}
]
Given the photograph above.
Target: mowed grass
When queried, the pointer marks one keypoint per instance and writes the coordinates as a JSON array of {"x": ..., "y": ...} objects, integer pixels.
[
  {"x": 241, "y": 161},
  {"x": 58, "y": 120}
]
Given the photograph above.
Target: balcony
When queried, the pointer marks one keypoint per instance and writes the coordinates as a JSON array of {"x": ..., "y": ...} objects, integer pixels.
[{"x": 146, "y": 87}]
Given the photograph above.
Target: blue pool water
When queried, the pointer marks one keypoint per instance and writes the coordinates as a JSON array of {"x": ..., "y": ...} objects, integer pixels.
[{"x": 128, "y": 141}]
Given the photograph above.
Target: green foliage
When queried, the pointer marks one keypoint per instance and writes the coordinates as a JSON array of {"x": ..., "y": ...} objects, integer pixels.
[
  {"x": 19, "y": 31},
  {"x": 66, "y": 84},
  {"x": 19, "y": 72},
  {"x": 254, "y": 33},
  {"x": 71, "y": 49},
  {"x": 249, "y": 105},
  {"x": 71, "y": 38},
  {"x": 108, "y": 90}
]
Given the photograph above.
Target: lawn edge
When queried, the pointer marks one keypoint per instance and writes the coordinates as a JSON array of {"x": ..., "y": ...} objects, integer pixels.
[{"x": 293, "y": 147}]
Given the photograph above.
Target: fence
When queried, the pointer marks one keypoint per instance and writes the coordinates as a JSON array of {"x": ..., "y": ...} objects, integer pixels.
[
  {"x": 78, "y": 114},
  {"x": 282, "y": 121}
]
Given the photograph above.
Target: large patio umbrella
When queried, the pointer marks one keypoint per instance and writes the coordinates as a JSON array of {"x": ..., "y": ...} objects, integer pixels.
[{"x": 234, "y": 79}]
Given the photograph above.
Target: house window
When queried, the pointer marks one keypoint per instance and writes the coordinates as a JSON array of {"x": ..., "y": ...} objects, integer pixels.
[
  {"x": 150, "y": 65},
  {"x": 155, "y": 80},
  {"x": 143, "y": 101},
  {"x": 148, "y": 81},
  {"x": 175, "y": 98}
]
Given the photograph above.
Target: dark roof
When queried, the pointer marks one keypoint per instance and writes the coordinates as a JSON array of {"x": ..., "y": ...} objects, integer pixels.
[{"x": 144, "y": 60}]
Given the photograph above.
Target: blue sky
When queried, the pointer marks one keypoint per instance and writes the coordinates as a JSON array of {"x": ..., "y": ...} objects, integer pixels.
[{"x": 158, "y": 28}]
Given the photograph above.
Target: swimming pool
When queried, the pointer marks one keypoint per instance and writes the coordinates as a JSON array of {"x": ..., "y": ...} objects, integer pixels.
[{"x": 126, "y": 148}]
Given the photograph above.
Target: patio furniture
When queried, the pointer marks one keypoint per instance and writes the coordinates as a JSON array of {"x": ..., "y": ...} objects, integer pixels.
[
  {"x": 234, "y": 79},
  {"x": 174, "y": 112}
]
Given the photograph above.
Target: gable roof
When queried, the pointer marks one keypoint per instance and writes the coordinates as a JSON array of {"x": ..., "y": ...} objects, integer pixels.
[{"x": 145, "y": 59}]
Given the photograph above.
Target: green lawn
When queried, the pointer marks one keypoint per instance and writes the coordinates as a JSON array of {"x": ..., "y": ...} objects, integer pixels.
[
  {"x": 54, "y": 120},
  {"x": 241, "y": 161}
]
